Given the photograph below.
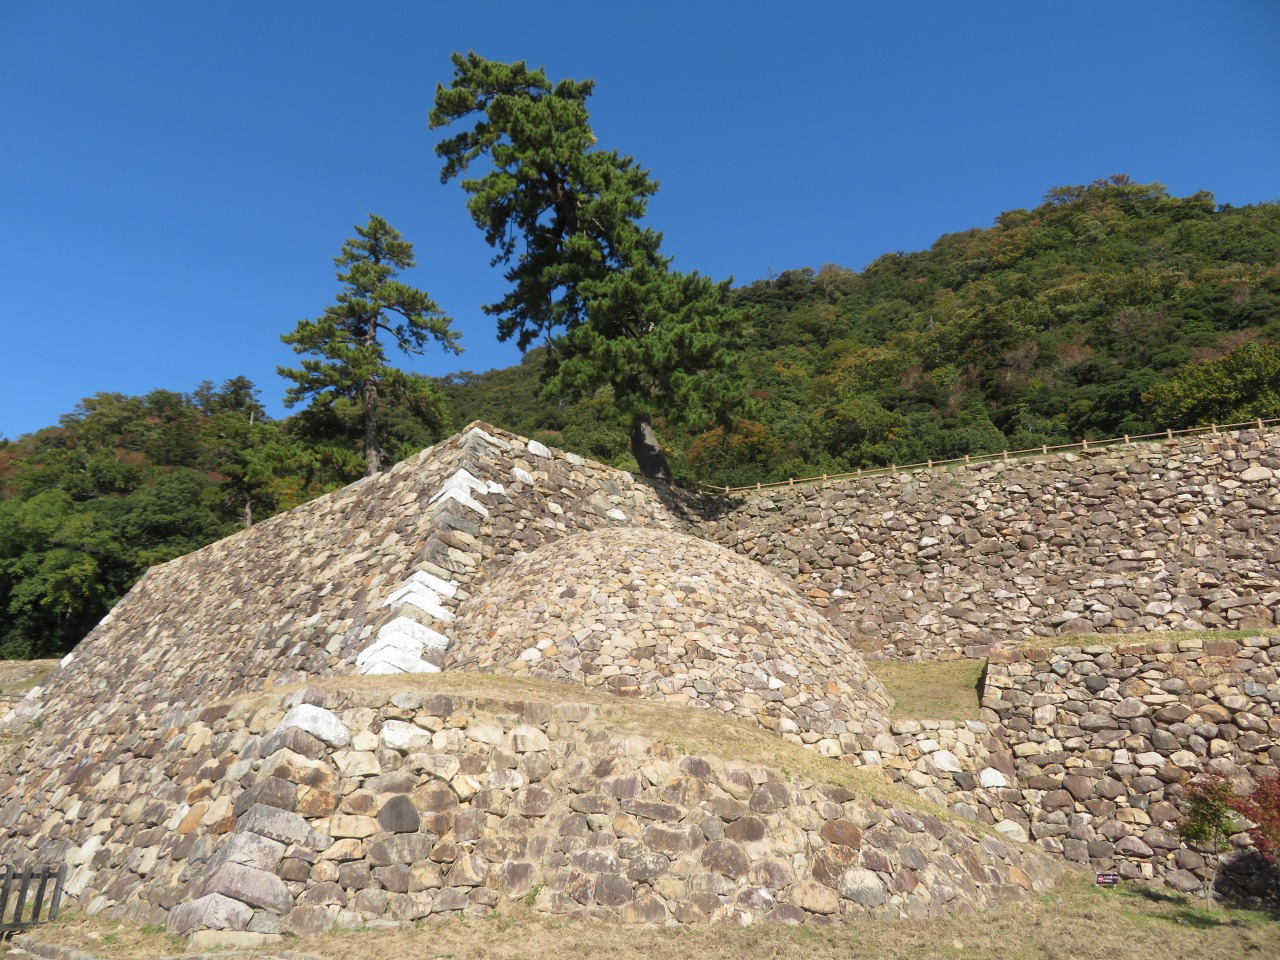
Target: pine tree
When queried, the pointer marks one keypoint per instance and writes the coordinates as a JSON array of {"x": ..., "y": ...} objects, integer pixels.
[
  {"x": 586, "y": 276},
  {"x": 353, "y": 363}
]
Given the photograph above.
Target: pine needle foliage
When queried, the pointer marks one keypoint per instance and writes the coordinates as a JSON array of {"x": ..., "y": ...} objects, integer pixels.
[
  {"x": 586, "y": 276},
  {"x": 351, "y": 361}
]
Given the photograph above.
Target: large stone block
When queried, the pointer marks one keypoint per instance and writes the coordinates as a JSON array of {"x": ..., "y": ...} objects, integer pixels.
[
  {"x": 251, "y": 850},
  {"x": 320, "y": 723},
  {"x": 274, "y": 823},
  {"x": 402, "y": 848},
  {"x": 210, "y": 912},
  {"x": 252, "y": 886},
  {"x": 863, "y": 887}
]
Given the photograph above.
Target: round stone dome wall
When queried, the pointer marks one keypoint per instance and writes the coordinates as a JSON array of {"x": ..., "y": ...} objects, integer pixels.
[{"x": 660, "y": 615}]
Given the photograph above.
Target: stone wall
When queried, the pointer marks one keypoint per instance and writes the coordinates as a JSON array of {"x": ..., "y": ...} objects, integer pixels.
[
  {"x": 311, "y": 591},
  {"x": 663, "y": 616},
  {"x": 1105, "y": 739},
  {"x": 163, "y": 784},
  {"x": 963, "y": 766},
  {"x": 1087, "y": 752},
  {"x": 292, "y": 811},
  {"x": 1177, "y": 535}
]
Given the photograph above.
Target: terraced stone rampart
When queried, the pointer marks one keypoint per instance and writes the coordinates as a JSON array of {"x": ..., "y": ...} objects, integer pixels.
[
  {"x": 172, "y": 792},
  {"x": 292, "y": 811},
  {"x": 949, "y": 562},
  {"x": 318, "y": 589},
  {"x": 1105, "y": 740}
]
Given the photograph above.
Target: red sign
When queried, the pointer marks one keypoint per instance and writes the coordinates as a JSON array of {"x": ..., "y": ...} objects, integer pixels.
[{"x": 1107, "y": 879}]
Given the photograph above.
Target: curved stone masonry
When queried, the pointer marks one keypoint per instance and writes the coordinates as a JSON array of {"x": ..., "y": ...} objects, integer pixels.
[
  {"x": 655, "y": 614},
  {"x": 289, "y": 812},
  {"x": 1144, "y": 537},
  {"x": 1178, "y": 535},
  {"x": 342, "y": 583}
]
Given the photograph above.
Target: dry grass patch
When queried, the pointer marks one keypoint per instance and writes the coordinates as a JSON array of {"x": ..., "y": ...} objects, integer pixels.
[
  {"x": 19, "y": 676},
  {"x": 1076, "y": 922},
  {"x": 689, "y": 730},
  {"x": 932, "y": 689},
  {"x": 1144, "y": 636}
]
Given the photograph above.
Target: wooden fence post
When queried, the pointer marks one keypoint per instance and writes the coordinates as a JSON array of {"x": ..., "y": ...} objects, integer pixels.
[
  {"x": 5, "y": 883},
  {"x": 25, "y": 877},
  {"x": 11, "y": 923},
  {"x": 58, "y": 883}
]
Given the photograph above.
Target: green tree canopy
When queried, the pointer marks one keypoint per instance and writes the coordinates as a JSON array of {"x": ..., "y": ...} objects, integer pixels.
[
  {"x": 353, "y": 364},
  {"x": 1241, "y": 385},
  {"x": 564, "y": 217}
]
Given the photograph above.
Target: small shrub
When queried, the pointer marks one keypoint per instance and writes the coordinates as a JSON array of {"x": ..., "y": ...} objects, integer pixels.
[{"x": 1208, "y": 819}]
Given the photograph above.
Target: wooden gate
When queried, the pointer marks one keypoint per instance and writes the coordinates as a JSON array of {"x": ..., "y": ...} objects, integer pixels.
[{"x": 16, "y": 886}]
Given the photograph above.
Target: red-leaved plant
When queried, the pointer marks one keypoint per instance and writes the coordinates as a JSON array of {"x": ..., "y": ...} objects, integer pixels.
[
  {"x": 1207, "y": 818},
  {"x": 1262, "y": 808}
]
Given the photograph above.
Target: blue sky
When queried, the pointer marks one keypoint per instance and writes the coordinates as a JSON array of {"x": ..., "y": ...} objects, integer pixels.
[{"x": 177, "y": 176}]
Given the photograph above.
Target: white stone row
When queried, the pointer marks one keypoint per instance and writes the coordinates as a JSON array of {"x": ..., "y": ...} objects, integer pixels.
[
  {"x": 460, "y": 488},
  {"x": 423, "y": 598},
  {"x": 402, "y": 645},
  {"x": 488, "y": 438},
  {"x": 400, "y": 648}
]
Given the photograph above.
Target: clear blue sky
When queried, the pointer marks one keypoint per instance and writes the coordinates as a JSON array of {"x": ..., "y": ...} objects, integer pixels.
[{"x": 177, "y": 176}]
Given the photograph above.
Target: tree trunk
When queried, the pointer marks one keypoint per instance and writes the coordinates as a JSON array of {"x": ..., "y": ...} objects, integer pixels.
[
  {"x": 648, "y": 452},
  {"x": 248, "y": 513},
  {"x": 372, "y": 452}
]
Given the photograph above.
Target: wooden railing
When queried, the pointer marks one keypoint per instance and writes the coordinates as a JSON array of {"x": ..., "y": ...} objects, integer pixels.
[
  {"x": 1083, "y": 445},
  {"x": 17, "y": 918}
]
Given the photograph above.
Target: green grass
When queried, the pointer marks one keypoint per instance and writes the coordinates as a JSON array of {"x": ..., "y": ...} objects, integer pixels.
[{"x": 932, "y": 689}]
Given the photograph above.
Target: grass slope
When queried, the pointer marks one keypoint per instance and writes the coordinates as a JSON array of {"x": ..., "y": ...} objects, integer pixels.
[{"x": 1076, "y": 922}]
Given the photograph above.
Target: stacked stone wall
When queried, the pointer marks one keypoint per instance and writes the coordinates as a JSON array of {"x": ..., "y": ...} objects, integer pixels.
[
  {"x": 950, "y": 562},
  {"x": 961, "y": 765},
  {"x": 159, "y": 797},
  {"x": 306, "y": 593},
  {"x": 663, "y": 616},
  {"x": 1105, "y": 740},
  {"x": 289, "y": 812}
]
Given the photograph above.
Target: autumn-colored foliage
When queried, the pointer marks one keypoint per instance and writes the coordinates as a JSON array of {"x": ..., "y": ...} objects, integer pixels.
[{"x": 1262, "y": 808}]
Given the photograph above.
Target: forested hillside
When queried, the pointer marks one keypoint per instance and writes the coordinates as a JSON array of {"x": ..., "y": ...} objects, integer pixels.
[
  {"x": 122, "y": 483},
  {"x": 1111, "y": 308}
]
